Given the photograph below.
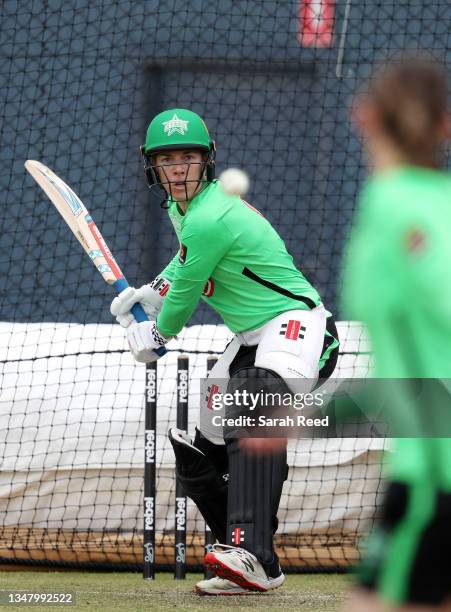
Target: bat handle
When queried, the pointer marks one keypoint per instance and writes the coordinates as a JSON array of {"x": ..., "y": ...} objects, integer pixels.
[{"x": 137, "y": 311}]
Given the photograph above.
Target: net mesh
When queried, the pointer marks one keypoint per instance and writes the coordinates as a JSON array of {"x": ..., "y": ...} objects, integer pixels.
[
  {"x": 273, "y": 80},
  {"x": 71, "y": 481}
]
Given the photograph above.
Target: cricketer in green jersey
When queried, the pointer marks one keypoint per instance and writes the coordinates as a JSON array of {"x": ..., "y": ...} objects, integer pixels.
[
  {"x": 231, "y": 257},
  {"x": 397, "y": 281}
]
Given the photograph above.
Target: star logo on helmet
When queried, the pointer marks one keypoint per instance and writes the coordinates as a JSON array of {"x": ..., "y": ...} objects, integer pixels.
[{"x": 175, "y": 126}]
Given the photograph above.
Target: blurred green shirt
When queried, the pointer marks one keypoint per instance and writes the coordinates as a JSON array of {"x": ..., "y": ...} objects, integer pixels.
[{"x": 397, "y": 280}]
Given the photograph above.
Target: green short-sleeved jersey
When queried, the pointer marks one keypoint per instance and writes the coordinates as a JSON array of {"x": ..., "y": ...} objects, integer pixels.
[
  {"x": 232, "y": 257},
  {"x": 397, "y": 279}
]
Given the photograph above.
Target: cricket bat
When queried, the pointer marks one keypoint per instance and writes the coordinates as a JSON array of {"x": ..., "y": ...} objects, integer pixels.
[{"x": 82, "y": 225}]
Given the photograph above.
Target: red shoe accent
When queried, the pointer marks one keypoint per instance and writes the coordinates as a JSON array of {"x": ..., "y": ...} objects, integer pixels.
[{"x": 235, "y": 576}]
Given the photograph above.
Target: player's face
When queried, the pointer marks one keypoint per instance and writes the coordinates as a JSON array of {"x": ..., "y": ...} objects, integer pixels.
[
  {"x": 179, "y": 173},
  {"x": 378, "y": 144},
  {"x": 365, "y": 118}
]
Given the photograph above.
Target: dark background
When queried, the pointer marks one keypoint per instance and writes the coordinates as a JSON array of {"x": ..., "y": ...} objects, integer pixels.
[{"x": 81, "y": 80}]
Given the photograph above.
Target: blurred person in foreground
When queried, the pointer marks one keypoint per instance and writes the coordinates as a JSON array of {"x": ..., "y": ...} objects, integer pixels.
[{"x": 397, "y": 280}]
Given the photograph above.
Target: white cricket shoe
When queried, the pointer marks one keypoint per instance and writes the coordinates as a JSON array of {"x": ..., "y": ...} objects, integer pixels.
[
  {"x": 241, "y": 567},
  {"x": 220, "y": 586}
]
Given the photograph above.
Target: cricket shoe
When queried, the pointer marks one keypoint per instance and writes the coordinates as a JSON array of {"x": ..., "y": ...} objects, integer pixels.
[
  {"x": 241, "y": 567},
  {"x": 220, "y": 586}
]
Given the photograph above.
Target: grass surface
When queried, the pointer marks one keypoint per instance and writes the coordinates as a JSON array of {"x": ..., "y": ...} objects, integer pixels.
[{"x": 123, "y": 591}]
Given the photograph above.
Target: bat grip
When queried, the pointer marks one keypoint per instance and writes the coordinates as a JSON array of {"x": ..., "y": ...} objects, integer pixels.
[{"x": 137, "y": 311}]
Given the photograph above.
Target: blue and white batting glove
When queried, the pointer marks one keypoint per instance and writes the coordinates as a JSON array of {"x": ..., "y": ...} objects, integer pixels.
[
  {"x": 143, "y": 338},
  {"x": 150, "y": 297}
]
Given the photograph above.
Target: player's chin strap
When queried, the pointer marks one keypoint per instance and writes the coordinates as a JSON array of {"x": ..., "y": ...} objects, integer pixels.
[
  {"x": 164, "y": 188},
  {"x": 167, "y": 185}
]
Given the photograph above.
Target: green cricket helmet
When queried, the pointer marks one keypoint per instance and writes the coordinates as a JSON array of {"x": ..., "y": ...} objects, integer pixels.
[{"x": 176, "y": 129}]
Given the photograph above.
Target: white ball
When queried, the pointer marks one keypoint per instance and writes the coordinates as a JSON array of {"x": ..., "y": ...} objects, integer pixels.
[{"x": 234, "y": 181}]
